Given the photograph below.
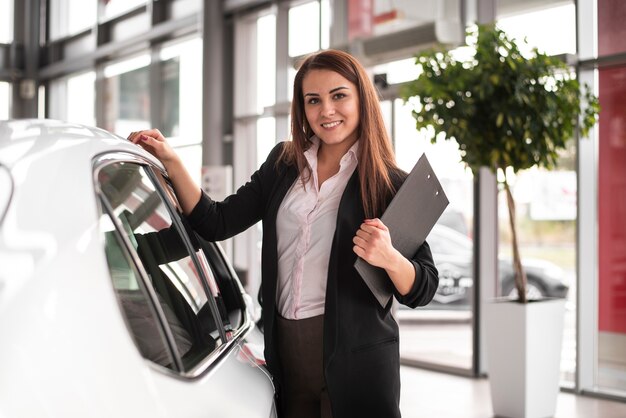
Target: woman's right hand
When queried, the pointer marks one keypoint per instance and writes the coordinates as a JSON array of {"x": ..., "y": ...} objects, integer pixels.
[
  {"x": 153, "y": 141},
  {"x": 187, "y": 191}
]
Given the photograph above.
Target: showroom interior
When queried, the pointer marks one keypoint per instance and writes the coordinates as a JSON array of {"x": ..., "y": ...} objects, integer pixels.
[{"x": 215, "y": 77}]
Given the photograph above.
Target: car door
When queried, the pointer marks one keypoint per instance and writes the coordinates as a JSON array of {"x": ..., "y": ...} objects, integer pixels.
[{"x": 189, "y": 334}]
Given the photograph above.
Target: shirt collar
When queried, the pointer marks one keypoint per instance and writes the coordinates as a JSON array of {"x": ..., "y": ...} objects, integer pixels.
[{"x": 311, "y": 153}]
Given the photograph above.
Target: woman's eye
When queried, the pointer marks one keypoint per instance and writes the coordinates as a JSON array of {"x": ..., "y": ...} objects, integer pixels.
[
  {"x": 339, "y": 96},
  {"x": 313, "y": 100}
]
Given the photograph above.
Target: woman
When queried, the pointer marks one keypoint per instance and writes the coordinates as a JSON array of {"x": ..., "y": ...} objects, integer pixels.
[{"x": 331, "y": 348}]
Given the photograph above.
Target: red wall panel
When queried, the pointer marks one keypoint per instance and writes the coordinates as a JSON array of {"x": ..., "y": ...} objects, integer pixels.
[
  {"x": 611, "y": 27},
  {"x": 612, "y": 200}
]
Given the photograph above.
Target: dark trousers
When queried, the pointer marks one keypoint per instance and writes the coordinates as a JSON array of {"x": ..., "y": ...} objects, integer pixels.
[{"x": 300, "y": 347}]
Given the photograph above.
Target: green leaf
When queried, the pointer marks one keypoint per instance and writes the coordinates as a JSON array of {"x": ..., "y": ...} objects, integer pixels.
[{"x": 499, "y": 119}]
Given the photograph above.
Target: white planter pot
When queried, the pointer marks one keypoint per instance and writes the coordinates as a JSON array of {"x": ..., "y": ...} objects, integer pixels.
[{"x": 524, "y": 356}]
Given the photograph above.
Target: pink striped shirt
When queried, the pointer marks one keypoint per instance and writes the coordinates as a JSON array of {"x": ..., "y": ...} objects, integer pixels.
[{"x": 305, "y": 226}]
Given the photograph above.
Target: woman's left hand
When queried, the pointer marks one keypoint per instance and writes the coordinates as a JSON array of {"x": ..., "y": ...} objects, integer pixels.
[{"x": 372, "y": 243}]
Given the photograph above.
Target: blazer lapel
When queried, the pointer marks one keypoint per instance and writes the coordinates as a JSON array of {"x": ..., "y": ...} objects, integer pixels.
[{"x": 349, "y": 216}]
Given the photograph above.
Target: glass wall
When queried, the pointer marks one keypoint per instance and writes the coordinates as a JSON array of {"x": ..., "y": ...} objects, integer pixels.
[
  {"x": 180, "y": 118},
  {"x": 546, "y": 202},
  {"x": 611, "y": 339},
  {"x": 127, "y": 95},
  {"x": 304, "y": 34},
  {"x": 266, "y": 62},
  {"x": 5, "y": 97},
  {"x": 440, "y": 333},
  {"x": 114, "y": 8},
  {"x": 72, "y": 99},
  {"x": 68, "y": 17},
  {"x": 6, "y": 21}
]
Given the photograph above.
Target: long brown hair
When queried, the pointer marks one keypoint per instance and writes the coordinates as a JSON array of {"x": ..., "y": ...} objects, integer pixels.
[{"x": 375, "y": 157}]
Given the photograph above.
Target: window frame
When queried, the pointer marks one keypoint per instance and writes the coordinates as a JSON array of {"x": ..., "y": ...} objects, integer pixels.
[{"x": 227, "y": 342}]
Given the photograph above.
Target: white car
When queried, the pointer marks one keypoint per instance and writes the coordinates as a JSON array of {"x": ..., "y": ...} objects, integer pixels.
[{"x": 110, "y": 306}]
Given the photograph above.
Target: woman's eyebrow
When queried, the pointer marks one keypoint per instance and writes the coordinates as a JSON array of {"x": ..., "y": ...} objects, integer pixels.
[
  {"x": 337, "y": 89},
  {"x": 330, "y": 92}
]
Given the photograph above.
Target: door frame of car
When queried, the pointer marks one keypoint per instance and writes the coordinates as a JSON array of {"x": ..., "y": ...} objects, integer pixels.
[{"x": 228, "y": 342}]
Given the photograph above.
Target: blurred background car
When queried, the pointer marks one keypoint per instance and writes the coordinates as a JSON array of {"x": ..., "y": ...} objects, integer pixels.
[
  {"x": 453, "y": 252},
  {"x": 110, "y": 306}
]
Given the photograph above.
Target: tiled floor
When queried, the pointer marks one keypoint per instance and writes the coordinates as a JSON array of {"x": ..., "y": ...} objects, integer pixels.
[{"x": 427, "y": 394}]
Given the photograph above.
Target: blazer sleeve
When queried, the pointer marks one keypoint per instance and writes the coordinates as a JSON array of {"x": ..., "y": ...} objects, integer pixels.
[
  {"x": 217, "y": 221},
  {"x": 426, "y": 279},
  {"x": 426, "y": 274}
]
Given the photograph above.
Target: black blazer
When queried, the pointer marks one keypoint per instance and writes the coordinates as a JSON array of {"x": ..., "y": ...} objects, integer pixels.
[{"x": 361, "y": 351}]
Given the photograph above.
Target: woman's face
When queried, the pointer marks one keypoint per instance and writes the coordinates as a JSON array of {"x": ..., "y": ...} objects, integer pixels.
[{"x": 331, "y": 106}]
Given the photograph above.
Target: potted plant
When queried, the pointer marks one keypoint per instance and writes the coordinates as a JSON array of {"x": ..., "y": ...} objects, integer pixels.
[{"x": 507, "y": 112}]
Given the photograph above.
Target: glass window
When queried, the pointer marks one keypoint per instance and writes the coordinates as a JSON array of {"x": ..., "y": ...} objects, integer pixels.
[
  {"x": 114, "y": 8},
  {"x": 139, "y": 313},
  {"x": 449, "y": 342},
  {"x": 538, "y": 28},
  {"x": 191, "y": 155},
  {"x": 266, "y": 61},
  {"x": 73, "y": 99},
  {"x": 6, "y": 21},
  {"x": 304, "y": 29},
  {"x": 179, "y": 287},
  {"x": 399, "y": 71},
  {"x": 181, "y": 76},
  {"x": 266, "y": 138},
  {"x": 181, "y": 108},
  {"x": 545, "y": 201},
  {"x": 325, "y": 24},
  {"x": 230, "y": 299},
  {"x": 5, "y": 97},
  {"x": 127, "y": 96},
  {"x": 68, "y": 17},
  {"x": 81, "y": 92},
  {"x": 41, "y": 104}
]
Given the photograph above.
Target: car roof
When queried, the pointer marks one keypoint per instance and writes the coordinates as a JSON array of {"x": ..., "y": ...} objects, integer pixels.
[
  {"x": 49, "y": 211},
  {"x": 31, "y": 139}
]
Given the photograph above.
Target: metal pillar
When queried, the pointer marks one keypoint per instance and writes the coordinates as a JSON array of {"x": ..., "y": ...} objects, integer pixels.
[
  {"x": 26, "y": 15},
  {"x": 212, "y": 88},
  {"x": 485, "y": 233}
]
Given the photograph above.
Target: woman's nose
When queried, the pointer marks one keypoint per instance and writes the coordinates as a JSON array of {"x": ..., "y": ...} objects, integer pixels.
[{"x": 328, "y": 109}]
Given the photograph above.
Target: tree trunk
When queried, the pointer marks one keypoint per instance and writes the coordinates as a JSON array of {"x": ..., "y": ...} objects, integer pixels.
[{"x": 520, "y": 274}]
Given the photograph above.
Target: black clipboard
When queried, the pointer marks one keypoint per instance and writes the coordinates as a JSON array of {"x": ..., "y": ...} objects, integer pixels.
[{"x": 410, "y": 216}]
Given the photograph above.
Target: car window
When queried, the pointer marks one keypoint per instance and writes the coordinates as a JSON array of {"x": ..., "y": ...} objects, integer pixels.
[
  {"x": 157, "y": 242},
  {"x": 231, "y": 293},
  {"x": 226, "y": 293},
  {"x": 139, "y": 312}
]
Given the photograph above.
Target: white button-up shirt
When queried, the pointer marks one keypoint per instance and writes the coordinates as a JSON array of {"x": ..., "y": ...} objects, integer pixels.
[{"x": 305, "y": 226}]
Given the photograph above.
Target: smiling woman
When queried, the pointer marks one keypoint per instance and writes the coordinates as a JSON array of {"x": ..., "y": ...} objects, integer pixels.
[{"x": 318, "y": 196}]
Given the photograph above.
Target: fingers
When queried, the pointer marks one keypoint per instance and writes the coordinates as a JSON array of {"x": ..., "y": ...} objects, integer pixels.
[
  {"x": 359, "y": 241},
  {"x": 370, "y": 229},
  {"x": 376, "y": 223},
  {"x": 135, "y": 137}
]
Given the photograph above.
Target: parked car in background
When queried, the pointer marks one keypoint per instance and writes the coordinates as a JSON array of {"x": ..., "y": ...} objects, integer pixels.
[
  {"x": 110, "y": 306},
  {"x": 453, "y": 251}
]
